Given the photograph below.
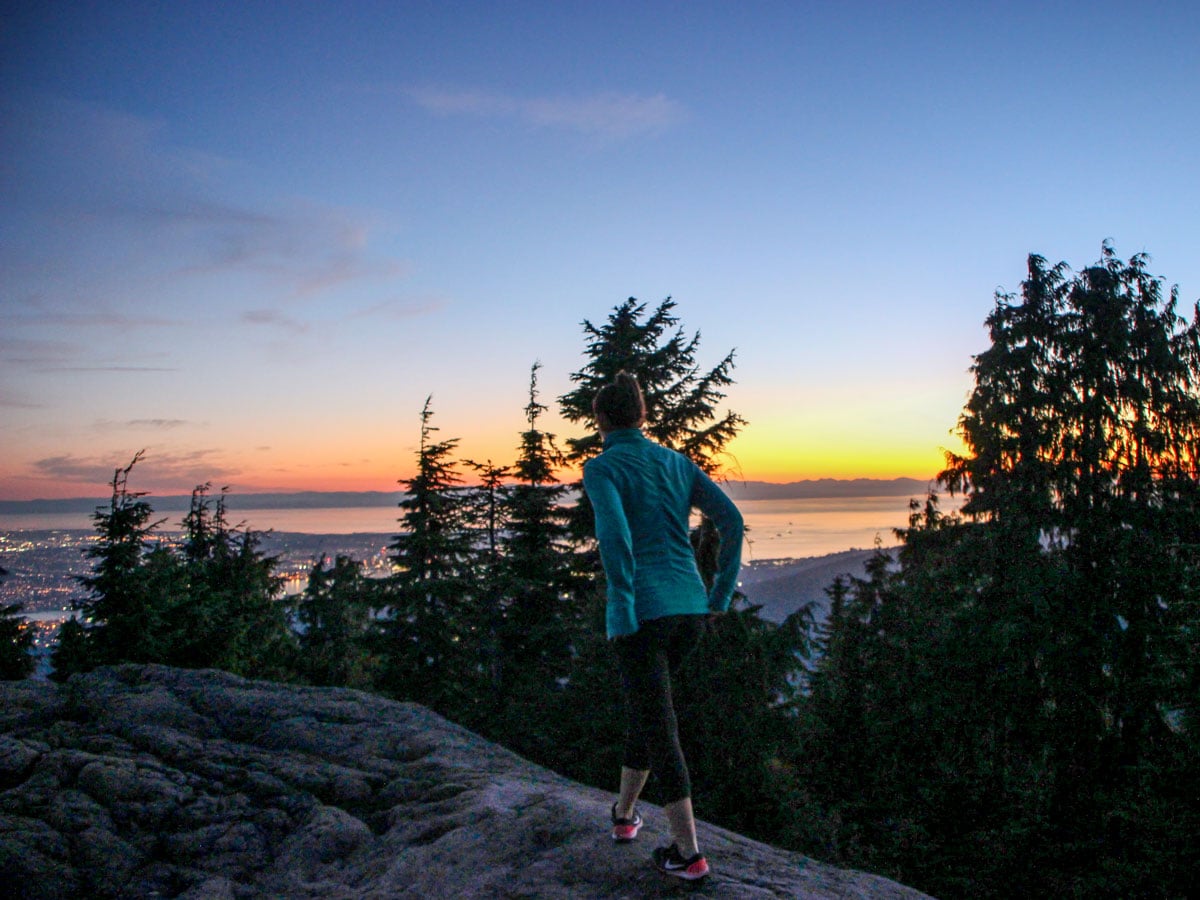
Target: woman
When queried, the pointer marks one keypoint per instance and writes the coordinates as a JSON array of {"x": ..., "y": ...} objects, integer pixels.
[{"x": 642, "y": 494}]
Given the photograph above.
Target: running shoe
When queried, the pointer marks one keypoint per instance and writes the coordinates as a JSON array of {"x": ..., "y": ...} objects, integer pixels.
[
  {"x": 625, "y": 830},
  {"x": 669, "y": 861}
]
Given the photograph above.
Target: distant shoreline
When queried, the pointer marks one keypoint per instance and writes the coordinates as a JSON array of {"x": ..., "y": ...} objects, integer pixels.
[
  {"x": 233, "y": 501},
  {"x": 777, "y": 528},
  {"x": 817, "y": 488}
]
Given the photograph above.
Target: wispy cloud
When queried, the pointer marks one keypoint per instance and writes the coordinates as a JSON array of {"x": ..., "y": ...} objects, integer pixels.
[
  {"x": 400, "y": 309},
  {"x": 158, "y": 470},
  {"x": 11, "y": 400},
  {"x": 607, "y": 114},
  {"x": 274, "y": 317},
  {"x": 112, "y": 368},
  {"x": 301, "y": 251},
  {"x": 48, "y": 356},
  {"x": 72, "y": 468},
  {"x": 33, "y": 353},
  {"x": 28, "y": 346},
  {"x": 80, "y": 176},
  {"x": 153, "y": 424},
  {"x": 36, "y": 315}
]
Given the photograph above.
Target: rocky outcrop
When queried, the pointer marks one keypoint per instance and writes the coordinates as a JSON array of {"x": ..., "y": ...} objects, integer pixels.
[{"x": 146, "y": 781}]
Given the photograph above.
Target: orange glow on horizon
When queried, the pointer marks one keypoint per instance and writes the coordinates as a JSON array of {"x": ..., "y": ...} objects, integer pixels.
[
  {"x": 341, "y": 459},
  {"x": 805, "y": 458}
]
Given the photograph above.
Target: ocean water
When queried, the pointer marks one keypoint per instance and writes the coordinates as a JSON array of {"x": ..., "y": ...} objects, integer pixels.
[
  {"x": 776, "y": 529},
  {"x": 794, "y": 529}
]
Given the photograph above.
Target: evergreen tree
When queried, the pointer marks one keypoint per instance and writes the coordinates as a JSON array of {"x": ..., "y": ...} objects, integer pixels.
[
  {"x": 487, "y": 519},
  {"x": 539, "y": 626},
  {"x": 120, "y": 619},
  {"x": 16, "y": 641},
  {"x": 430, "y": 648},
  {"x": 681, "y": 399},
  {"x": 334, "y": 619},
  {"x": 230, "y": 615},
  {"x": 836, "y": 752},
  {"x": 1023, "y": 679},
  {"x": 743, "y": 683}
]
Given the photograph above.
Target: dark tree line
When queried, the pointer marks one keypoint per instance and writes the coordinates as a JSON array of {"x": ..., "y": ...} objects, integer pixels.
[
  {"x": 1012, "y": 710},
  {"x": 208, "y": 601},
  {"x": 1007, "y": 709}
]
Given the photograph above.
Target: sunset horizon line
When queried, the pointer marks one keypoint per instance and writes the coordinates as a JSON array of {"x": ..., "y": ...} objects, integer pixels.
[{"x": 839, "y": 485}]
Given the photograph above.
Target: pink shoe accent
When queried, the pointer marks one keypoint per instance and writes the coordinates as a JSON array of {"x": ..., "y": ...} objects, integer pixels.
[{"x": 625, "y": 830}]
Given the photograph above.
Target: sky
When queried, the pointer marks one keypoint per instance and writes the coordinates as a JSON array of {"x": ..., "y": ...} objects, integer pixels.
[{"x": 253, "y": 238}]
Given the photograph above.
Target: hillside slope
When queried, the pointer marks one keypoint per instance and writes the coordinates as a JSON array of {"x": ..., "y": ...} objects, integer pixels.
[{"x": 781, "y": 587}]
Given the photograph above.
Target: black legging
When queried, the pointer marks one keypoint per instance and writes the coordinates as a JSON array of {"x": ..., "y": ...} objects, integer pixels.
[{"x": 648, "y": 658}]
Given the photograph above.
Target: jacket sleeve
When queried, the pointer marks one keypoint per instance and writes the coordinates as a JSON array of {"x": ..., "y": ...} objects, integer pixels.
[
  {"x": 715, "y": 503},
  {"x": 616, "y": 550}
]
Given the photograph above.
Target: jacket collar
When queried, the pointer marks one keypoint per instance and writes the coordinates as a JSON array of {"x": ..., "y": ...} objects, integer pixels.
[{"x": 623, "y": 436}]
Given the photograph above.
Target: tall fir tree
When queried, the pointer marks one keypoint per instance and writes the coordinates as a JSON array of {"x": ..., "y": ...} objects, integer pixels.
[
  {"x": 430, "y": 646},
  {"x": 487, "y": 520},
  {"x": 681, "y": 405},
  {"x": 681, "y": 398},
  {"x": 120, "y": 618},
  {"x": 540, "y": 626}
]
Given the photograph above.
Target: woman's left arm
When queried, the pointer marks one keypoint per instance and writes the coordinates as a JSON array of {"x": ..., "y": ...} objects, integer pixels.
[
  {"x": 616, "y": 551},
  {"x": 715, "y": 503}
]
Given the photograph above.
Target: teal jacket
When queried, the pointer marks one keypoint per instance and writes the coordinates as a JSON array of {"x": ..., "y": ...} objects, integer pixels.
[{"x": 642, "y": 494}]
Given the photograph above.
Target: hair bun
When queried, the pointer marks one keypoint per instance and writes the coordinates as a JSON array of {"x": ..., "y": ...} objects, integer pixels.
[{"x": 620, "y": 402}]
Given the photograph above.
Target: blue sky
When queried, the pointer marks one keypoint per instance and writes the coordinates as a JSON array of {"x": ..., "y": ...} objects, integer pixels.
[{"x": 252, "y": 238}]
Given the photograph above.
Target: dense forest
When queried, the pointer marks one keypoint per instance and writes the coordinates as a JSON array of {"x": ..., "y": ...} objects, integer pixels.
[{"x": 1009, "y": 709}]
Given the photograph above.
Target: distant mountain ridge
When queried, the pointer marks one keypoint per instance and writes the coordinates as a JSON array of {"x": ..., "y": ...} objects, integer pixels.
[
  {"x": 738, "y": 490},
  {"x": 814, "y": 488}
]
